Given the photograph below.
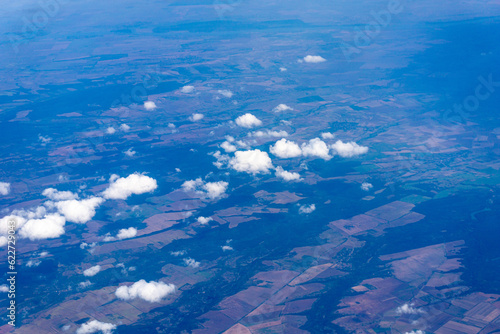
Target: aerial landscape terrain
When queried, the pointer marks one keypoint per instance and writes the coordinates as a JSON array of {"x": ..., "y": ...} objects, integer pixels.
[{"x": 237, "y": 167}]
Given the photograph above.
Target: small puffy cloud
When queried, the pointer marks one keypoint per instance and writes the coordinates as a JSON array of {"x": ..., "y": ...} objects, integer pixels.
[
  {"x": 252, "y": 162},
  {"x": 285, "y": 175},
  {"x": 283, "y": 69},
  {"x": 196, "y": 117},
  {"x": 407, "y": 309},
  {"x": 3, "y": 241},
  {"x": 187, "y": 89},
  {"x": 248, "y": 121},
  {"x": 348, "y": 150},
  {"x": 124, "y": 127},
  {"x": 211, "y": 190},
  {"x": 4, "y": 288},
  {"x": 228, "y": 147},
  {"x": 51, "y": 226},
  {"x": 269, "y": 133},
  {"x": 285, "y": 149},
  {"x": 225, "y": 93},
  {"x": 327, "y": 135},
  {"x": 314, "y": 59},
  {"x": 43, "y": 139},
  {"x": 83, "y": 285},
  {"x": 418, "y": 331},
  {"x": 281, "y": 107},
  {"x": 366, "y": 186},
  {"x": 191, "y": 263},
  {"x": 110, "y": 130},
  {"x": 121, "y": 188},
  {"x": 57, "y": 195},
  {"x": 4, "y": 188},
  {"x": 79, "y": 211},
  {"x": 152, "y": 292},
  {"x": 149, "y": 105},
  {"x": 92, "y": 271},
  {"x": 178, "y": 253},
  {"x": 95, "y": 326},
  {"x": 33, "y": 263},
  {"x": 126, "y": 233},
  {"x": 316, "y": 148},
  {"x": 130, "y": 152},
  {"x": 227, "y": 248},
  {"x": 305, "y": 209},
  {"x": 204, "y": 220}
]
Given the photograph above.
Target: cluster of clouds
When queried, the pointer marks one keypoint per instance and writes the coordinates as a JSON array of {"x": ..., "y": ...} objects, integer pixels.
[
  {"x": 366, "y": 186},
  {"x": 187, "y": 89},
  {"x": 189, "y": 262},
  {"x": 152, "y": 292},
  {"x": 268, "y": 133},
  {"x": 231, "y": 145},
  {"x": 123, "y": 127},
  {"x": 124, "y": 233},
  {"x": 48, "y": 220},
  {"x": 316, "y": 147},
  {"x": 211, "y": 190},
  {"x": 95, "y": 326},
  {"x": 408, "y": 309},
  {"x": 253, "y": 162}
]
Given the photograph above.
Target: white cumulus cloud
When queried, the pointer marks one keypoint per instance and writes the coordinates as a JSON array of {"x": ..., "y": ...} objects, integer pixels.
[
  {"x": 281, "y": 107},
  {"x": 314, "y": 59},
  {"x": 57, "y": 195},
  {"x": 152, "y": 292},
  {"x": 285, "y": 149},
  {"x": 79, "y": 211},
  {"x": 95, "y": 326},
  {"x": 248, "y": 121},
  {"x": 126, "y": 233},
  {"x": 348, "y": 150},
  {"x": 305, "y": 209},
  {"x": 187, "y": 89},
  {"x": 204, "y": 220},
  {"x": 196, "y": 117},
  {"x": 225, "y": 93},
  {"x": 327, "y": 135},
  {"x": 407, "y": 309},
  {"x": 92, "y": 271},
  {"x": 51, "y": 226},
  {"x": 316, "y": 148},
  {"x": 149, "y": 105},
  {"x": 4, "y": 188},
  {"x": 110, "y": 130},
  {"x": 121, "y": 188},
  {"x": 252, "y": 162},
  {"x": 124, "y": 127},
  {"x": 191, "y": 263},
  {"x": 268, "y": 133},
  {"x": 285, "y": 175},
  {"x": 366, "y": 186},
  {"x": 211, "y": 190}
]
